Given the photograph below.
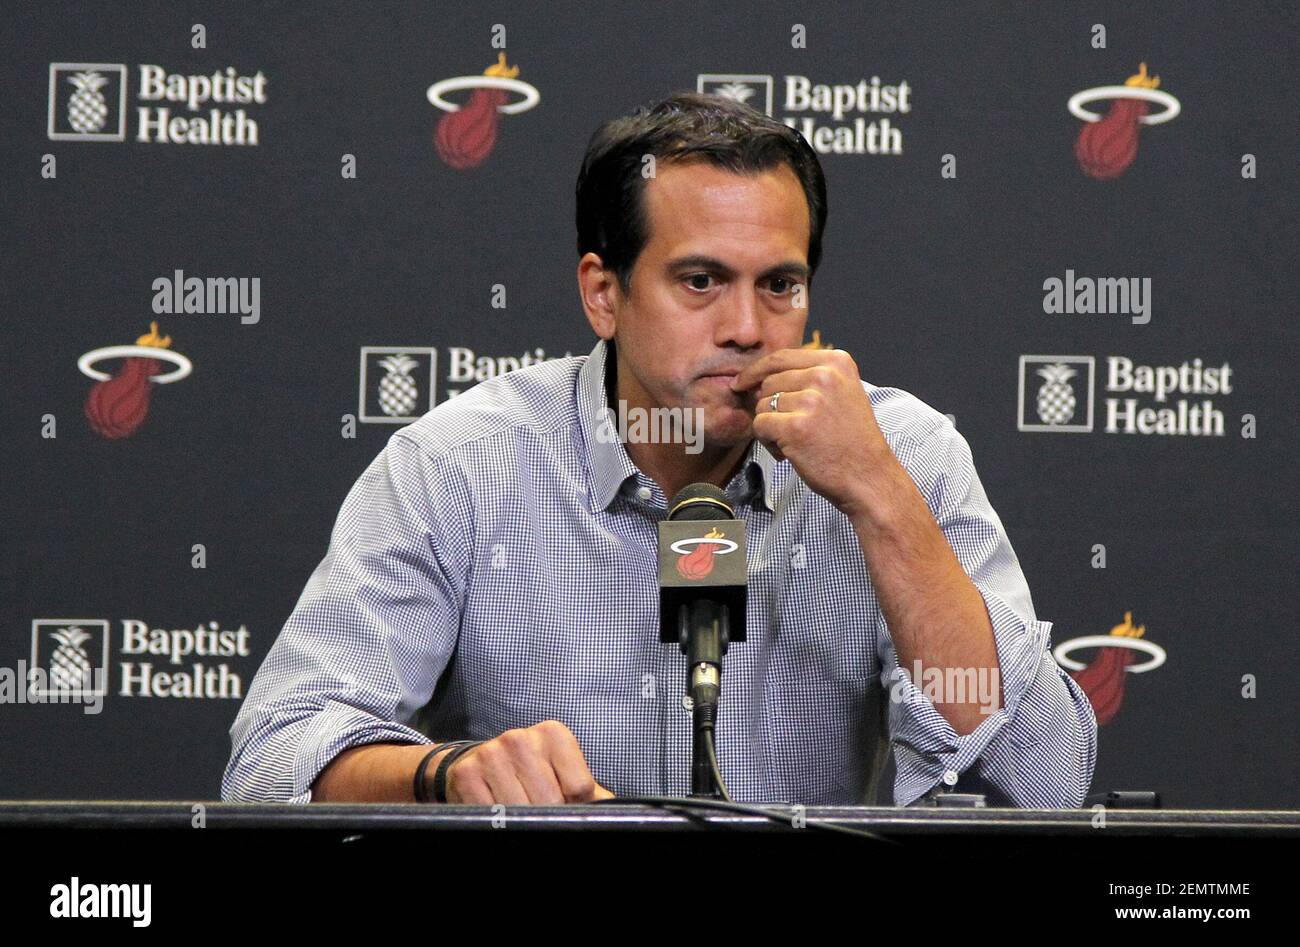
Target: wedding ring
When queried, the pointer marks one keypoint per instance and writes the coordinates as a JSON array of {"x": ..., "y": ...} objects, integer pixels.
[{"x": 776, "y": 398}]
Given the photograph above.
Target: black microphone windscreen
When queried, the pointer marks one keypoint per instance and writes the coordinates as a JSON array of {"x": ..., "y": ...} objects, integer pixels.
[{"x": 701, "y": 501}]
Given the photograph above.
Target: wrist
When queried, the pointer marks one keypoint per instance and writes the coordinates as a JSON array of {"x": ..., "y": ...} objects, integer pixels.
[
  {"x": 431, "y": 778},
  {"x": 880, "y": 497},
  {"x": 428, "y": 766}
]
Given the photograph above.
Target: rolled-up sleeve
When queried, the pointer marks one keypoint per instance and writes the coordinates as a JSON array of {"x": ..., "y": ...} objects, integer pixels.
[
  {"x": 370, "y": 635},
  {"x": 1038, "y": 749}
]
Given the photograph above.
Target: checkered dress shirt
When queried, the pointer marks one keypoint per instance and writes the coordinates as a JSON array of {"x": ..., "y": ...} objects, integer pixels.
[{"x": 495, "y": 566}]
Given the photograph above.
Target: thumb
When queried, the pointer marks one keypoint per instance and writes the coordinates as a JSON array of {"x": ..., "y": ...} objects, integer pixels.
[{"x": 601, "y": 793}]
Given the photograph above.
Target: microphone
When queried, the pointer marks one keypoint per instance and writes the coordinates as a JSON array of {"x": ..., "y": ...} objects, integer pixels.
[{"x": 703, "y": 588}]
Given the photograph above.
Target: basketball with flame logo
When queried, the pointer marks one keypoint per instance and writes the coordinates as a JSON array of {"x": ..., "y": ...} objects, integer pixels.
[
  {"x": 698, "y": 563},
  {"x": 117, "y": 407},
  {"x": 1107, "y": 147},
  {"x": 1103, "y": 679},
  {"x": 465, "y": 138}
]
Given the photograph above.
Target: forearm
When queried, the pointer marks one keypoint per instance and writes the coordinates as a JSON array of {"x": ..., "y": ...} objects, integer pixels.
[
  {"x": 936, "y": 615},
  {"x": 376, "y": 772}
]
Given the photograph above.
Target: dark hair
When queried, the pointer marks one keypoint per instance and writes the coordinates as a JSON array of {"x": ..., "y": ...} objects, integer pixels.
[{"x": 727, "y": 133}]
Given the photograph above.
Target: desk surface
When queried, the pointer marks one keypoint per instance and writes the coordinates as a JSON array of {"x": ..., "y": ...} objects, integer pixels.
[{"x": 621, "y": 817}]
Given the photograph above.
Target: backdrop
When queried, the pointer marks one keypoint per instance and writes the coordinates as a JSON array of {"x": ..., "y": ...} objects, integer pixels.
[{"x": 340, "y": 214}]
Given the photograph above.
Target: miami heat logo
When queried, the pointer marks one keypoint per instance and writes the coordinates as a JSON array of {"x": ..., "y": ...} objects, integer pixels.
[
  {"x": 695, "y": 556},
  {"x": 1103, "y": 679},
  {"x": 466, "y": 134},
  {"x": 1107, "y": 145},
  {"x": 118, "y": 404}
]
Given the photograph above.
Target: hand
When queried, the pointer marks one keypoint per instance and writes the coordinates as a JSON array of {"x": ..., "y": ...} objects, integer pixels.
[
  {"x": 824, "y": 423},
  {"x": 537, "y": 765}
]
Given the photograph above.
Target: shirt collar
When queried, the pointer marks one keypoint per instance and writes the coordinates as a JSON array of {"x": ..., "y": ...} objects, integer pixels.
[{"x": 607, "y": 459}]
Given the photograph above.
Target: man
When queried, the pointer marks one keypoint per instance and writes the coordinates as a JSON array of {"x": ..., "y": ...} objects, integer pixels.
[{"x": 493, "y": 576}]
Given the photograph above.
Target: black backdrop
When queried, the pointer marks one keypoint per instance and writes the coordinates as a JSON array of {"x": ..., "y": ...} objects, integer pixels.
[{"x": 935, "y": 283}]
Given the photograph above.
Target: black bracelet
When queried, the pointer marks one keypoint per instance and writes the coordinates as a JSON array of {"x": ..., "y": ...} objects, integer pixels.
[
  {"x": 420, "y": 793},
  {"x": 440, "y": 774}
]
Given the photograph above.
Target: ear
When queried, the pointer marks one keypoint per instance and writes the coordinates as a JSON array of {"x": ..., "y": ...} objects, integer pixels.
[{"x": 601, "y": 295}]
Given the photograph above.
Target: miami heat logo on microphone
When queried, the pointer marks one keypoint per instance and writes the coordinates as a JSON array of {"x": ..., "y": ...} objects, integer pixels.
[
  {"x": 118, "y": 404},
  {"x": 1103, "y": 679},
  {"x": 1107, "y": 145},
  {"x": 466, "y": 134},
  {"x": 695, "y": 556}
]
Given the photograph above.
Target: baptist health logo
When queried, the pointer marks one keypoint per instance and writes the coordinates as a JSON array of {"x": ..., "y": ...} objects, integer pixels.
[
  {"x": 70, "y": 662},
  {"x": 1058, "y": 393},
  {"x": 88, "y": 102},
  {"x": 399, "y": 384},
  {"x": 838, "y": 123}
]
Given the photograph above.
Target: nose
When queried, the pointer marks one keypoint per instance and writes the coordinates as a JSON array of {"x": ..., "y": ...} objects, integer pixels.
[{"x": 739, "y": 321}]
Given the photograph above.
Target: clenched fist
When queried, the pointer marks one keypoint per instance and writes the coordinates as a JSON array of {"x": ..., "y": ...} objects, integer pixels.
[{"x": 538, "y": 765}]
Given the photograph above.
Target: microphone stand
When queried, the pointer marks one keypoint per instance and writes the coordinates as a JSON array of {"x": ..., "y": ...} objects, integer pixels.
[{"x": 702, "y": 629}]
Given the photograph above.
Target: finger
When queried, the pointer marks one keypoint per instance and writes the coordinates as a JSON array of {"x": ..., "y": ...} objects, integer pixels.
[
  {"x": 498, "y": 771},
  {"x": 817, "y": 378},
  {"x": 570, "y": 765},
  {"x": 789, "y": 402},
  {"x": 771, "y": 428},
  {"x": 766, "y": 428},
  {"x": 535, "y": 773},
  {"x": 779, "y": 361},
  {"x": 602, "y": 793}
]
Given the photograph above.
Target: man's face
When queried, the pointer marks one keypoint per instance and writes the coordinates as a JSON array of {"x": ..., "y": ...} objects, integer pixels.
[{"x": 713, "y": 290}]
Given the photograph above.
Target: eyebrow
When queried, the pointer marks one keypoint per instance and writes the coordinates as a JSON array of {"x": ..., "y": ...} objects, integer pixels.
[{"x": 699, "y": 261}]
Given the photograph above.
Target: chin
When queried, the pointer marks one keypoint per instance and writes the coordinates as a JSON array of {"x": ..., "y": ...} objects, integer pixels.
[{"x": 727, "y": 427}]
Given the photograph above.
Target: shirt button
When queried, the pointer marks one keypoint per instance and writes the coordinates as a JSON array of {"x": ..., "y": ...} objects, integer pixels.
[
  {"x": 950, "y": 778},
  {"x": 643, "y": 492}
]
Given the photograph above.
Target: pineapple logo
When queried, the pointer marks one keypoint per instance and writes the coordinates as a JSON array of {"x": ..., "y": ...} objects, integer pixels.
[
  {"x": 1049, "y": 400},
  {"x": 73, "y": 653},
  {"x": 1056, "y": 402},
  {"x": 69, "y": 664},
  {"x": 737, "y": 91},
  {"x": 84, "y": 106},
  {"x": 397, "y": 384},
  {"x": 398, "y": 392},
  {"x": 738, "y": 88},
  {"x": 87, "y": 109}
]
